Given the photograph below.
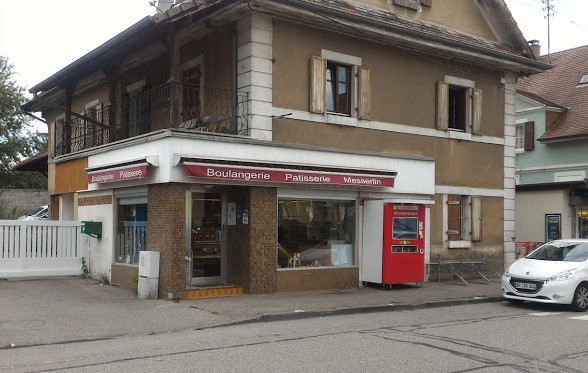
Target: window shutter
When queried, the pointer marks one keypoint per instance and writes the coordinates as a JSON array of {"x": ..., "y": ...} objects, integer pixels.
[
  {"x": 476, "y": 111},
  {"x": 529, "y": 135},
  {"x": 476, "y": 218},
  {"x": 453, "y": 217},
  {"x": 365, "y": 94},
  {"x": 442, "y": 106},
  {"x": 318, "y": 68}
]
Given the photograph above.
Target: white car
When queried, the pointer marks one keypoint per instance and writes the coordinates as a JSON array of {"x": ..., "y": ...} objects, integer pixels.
[
  {"x": 40, "y": 213},
  {"x": 556, "y": 272}
]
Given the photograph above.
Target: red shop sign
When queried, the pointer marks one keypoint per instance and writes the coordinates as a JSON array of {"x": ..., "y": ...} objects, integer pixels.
[
  {"x": 119, "y": 174},
  {"x": 268, "y": 175}
]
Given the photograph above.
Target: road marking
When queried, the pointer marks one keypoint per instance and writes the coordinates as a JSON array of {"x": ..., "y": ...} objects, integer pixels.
[
  {"x": 545, "y": 313},
  {"x": 579, "y": 318}
]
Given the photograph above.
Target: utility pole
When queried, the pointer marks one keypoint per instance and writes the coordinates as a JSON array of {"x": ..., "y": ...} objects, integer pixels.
[{"x": 549, "y": 9}]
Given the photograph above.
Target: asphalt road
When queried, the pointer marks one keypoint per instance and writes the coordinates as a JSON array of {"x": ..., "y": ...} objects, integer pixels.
[{"x": 490, "y": 337}]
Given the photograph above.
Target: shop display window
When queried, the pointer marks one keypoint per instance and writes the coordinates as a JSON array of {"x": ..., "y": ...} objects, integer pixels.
[
  {"x": 131, "y": 233},
  {"x": 316, "y": 233}
]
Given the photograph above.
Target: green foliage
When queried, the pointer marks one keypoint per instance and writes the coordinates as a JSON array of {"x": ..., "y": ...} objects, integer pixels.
[
  {"x": 135, "y": 282},
  {"x": 17, "y": 139},
  {"x": 85, "y": 269}
]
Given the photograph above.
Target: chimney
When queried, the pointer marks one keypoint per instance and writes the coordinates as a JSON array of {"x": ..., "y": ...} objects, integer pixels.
[{"x": 535, "y": 48}]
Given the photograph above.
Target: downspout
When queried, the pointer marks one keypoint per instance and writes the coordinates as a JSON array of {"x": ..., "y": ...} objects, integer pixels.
[{"x": 234, "y": 73}]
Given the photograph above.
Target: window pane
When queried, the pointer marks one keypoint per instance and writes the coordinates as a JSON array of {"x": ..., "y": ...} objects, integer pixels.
[
  {"x": 457, "y": 108},
  {"x": 520, "y": 137},
  {"x": 315, "y": 233},
  {"x": 131, "y": 233}
]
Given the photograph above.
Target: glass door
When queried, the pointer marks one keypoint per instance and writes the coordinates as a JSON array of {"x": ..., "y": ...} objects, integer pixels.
[{"x": 207, "y": 238}]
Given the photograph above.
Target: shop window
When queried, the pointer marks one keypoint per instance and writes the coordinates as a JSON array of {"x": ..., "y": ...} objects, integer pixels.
[
  {"x": 131, "y": 231},
  {"x": 459, "y": 106},
  {"x": 463, "y": 220},
  {"x": 315, "y": 233},
  {"x": 340, "y": 85},
  {"x": 583, "y": 223}
]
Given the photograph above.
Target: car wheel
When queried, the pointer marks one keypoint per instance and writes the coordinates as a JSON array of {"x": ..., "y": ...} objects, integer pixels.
[{"x": 580, "y": 301}]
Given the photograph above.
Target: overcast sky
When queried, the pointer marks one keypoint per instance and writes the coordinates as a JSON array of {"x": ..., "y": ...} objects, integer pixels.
[{"x": 42, "y": 36}]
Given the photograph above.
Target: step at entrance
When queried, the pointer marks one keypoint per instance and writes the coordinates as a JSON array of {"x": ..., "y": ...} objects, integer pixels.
[{"x": 214, "y": 291}]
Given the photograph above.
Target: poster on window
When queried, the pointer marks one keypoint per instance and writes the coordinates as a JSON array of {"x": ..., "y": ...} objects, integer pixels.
[{"x": 552, "y": 227}]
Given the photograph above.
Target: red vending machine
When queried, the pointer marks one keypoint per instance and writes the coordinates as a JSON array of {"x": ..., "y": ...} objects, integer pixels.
[
  {"x": 403, "y": 258},
  {"x": 394, "y": 240}
]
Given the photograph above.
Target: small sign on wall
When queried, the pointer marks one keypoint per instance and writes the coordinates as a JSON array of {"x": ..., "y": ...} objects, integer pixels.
[
  {"x": 245, "y": 216},
  {"x": 552, "y": 227},
  {"x": 231, "y": 213}
]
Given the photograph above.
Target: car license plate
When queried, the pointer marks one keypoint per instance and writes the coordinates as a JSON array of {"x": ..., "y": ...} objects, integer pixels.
[{"x": 525, "y": 285}]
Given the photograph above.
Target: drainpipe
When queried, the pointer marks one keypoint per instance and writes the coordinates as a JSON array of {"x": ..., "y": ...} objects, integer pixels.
[{"x": 234, "y": 72}]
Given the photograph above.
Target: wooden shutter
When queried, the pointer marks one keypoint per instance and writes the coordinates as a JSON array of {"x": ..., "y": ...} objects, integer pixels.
[
  {"x": 365, "y": 94},
  {"x": 476, "y": 111},
  {"x": 442, "y": 106},
  {"x": 318, "y": 68},
  {"x": 453, "y": 217},
  {"x": 529, "y": 136},
  {"x": 476, "y": 218}
]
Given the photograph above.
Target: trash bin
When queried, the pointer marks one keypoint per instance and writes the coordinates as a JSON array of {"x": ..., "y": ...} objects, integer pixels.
[{"x": 148, "y": 275}]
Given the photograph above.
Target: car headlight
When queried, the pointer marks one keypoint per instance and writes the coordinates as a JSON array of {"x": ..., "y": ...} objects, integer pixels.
[{"x": 568, "y": 274}]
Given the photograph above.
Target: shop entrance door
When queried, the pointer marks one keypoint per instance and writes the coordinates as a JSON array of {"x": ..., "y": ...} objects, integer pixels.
[{"x": 207, "y": 238}]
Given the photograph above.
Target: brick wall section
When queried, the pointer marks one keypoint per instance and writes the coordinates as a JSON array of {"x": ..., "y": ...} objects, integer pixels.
[
  {"x": 252, "y": 248},
  {"x": 263, "y": 240},
  {"x": 238, "y": 241},
  {"x": 166, "y": 232}
]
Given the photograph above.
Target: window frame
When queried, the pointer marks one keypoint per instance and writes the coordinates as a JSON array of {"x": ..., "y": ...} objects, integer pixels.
[
  {"x": 361, "y": 90},
  {"x": 332, "y": 85},
  {"x": 188, "y": 65},
  {"x": 520, "y": 137},
  {"x": 471, "y": 105},
  {"x": 335, "y": 245},
  {"x": 466, "y": 216}
]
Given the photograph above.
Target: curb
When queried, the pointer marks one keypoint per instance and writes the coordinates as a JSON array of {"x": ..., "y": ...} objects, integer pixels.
[{"x": 357, "y": 310}]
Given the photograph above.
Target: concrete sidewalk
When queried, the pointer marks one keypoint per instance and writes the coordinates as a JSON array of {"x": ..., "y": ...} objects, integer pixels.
[{"x": 59, "y": 310}]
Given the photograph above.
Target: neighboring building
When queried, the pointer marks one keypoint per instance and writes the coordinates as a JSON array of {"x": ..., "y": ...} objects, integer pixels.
[
  {"x": 263, "y": 143},
  {"x": 552, "y": 161}
]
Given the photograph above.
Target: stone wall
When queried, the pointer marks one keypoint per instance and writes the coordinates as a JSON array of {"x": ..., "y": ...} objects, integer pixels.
[{"x": 18, "y": 202}]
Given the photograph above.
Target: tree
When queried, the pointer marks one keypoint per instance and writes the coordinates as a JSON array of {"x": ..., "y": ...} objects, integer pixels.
[{"x": 17, "y": 139}]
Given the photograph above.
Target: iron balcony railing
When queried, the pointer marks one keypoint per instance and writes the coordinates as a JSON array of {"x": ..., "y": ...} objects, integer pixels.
[{"x": 172, "y": 105}]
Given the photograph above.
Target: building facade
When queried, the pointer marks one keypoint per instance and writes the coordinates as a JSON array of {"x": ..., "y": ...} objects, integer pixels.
[
  {"x": 275, "y": 145},
  {"x": 551, "y": 162}
]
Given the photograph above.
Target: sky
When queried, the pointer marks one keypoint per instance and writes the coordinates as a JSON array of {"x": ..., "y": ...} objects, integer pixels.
[{"x": 40, "y": 37}]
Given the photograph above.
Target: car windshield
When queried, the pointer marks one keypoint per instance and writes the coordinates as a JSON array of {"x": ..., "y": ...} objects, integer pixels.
[
  {"x": 39, "y": 210},
  {"x": 561, "y": 251}
]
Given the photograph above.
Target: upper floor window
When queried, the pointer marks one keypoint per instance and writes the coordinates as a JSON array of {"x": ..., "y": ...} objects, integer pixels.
[
  {"x": 340, "y": 85},
  {"x": 338, "y": 88},
  {"x": 459, "y": 106},
  {"x": 525, "y": 136}
]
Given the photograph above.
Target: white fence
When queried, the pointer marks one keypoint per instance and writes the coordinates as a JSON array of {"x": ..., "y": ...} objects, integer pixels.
[{"x": 40, "y": 248}]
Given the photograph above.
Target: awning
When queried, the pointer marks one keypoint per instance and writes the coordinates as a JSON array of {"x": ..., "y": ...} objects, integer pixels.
[
  {"x": 122, "y": 173},
  {"x": 289, "y": 174}
]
